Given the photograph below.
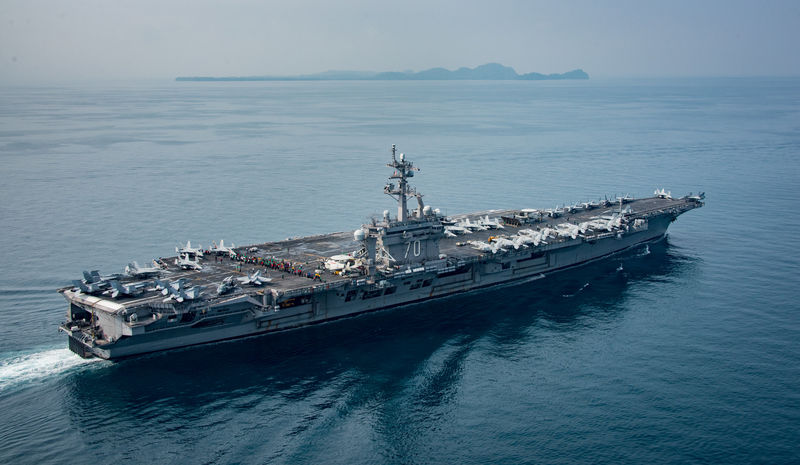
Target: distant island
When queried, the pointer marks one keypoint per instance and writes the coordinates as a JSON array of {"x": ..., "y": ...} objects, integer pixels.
[{"x": 487, "y": 72}]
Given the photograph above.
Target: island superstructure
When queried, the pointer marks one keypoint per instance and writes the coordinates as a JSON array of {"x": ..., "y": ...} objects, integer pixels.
[{"x": 201, "y": 296}]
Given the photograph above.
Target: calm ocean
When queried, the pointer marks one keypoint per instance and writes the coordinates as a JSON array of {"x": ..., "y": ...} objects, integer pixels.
[{"x": 688, "y": 354}]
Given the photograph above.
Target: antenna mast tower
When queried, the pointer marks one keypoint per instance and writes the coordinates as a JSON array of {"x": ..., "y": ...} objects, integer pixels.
[{"x": 402, "y": 191}]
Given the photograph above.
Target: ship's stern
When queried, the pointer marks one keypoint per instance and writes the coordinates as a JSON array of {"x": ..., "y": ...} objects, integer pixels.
[
  {"x": 81, "y": 326},
  {"x": 77, "y": 345}
]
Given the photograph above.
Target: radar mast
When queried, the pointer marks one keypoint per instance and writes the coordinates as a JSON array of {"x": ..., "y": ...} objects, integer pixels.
[{"x": 402, "y": 191}]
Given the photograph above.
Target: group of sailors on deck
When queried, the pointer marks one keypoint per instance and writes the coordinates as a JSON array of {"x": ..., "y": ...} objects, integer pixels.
[{"x": 281, "y": 265}]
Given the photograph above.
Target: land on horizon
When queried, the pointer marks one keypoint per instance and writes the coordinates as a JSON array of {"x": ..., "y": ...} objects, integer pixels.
[{"x": 489, "y": 71}]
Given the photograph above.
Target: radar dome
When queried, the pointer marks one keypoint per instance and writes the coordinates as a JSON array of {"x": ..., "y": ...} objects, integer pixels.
[
  {"x": 359, "y": 235},
  {"x": 427, "y": 210}
]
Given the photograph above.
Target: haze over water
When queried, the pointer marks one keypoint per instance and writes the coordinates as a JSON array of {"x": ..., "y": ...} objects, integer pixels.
[{"x": 685, "y": 351}]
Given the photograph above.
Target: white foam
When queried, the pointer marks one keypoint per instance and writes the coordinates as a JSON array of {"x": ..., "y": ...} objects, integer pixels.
[
  {"x": 576, "y": 292},
  {"x": 38, "y": 365}
]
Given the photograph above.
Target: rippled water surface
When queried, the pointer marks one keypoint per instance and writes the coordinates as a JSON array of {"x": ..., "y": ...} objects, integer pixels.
[{"x": 685, "y": 351}]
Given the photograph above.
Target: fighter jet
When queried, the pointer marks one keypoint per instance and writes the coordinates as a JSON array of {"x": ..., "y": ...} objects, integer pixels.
[
  {"x": 118, "y": 289},
  {"x": 134, "y": 270},
  {"x": 608, "y": 223},
  {"x": 662, "y": 194},
  {"x": 91, "y": 276},
  {"x": 227, "y": 285},
  {"x": 255, "y": 279},
  {"x": 525, "y": 240},
  {"x": 568, "y": 230},
  {"x": 94, "y": 276},
  {"x": 187, "y": 294},
  {"x": 545, "y": 233},
  {"x": 184, "y": 261},
  {"x": 221, "y": 249},
  {"x": 456, "y": 229},
  {"x": 175, "y": 290},
  {"x": 188, "y": 249},
  {"x": 93, "y": 283},
  {"x": 490, "y": 223},
  {"x": 164, "y": 286},
  {"x": 482, "y": 246},
  {"x": 697, "y": 197},
  {"x": 534, "y": 237},
  {"x": 553, "y": 212},
  {"x": 467, "y": 224},
  {"x": 90, "y": 288},
  {"x": 502, "y": 244}
]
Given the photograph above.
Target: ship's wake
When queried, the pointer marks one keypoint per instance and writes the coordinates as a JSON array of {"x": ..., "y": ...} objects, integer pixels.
[{"x": 37, "y": 366}]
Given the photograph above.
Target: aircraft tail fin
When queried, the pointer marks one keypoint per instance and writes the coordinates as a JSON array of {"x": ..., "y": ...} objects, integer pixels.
[
  {"x": 91, "y": 276},
  {"x": 117, "y": 288}
]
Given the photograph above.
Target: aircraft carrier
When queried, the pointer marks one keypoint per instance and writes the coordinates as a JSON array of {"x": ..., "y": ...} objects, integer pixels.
[{"x": 201, "y": 296}]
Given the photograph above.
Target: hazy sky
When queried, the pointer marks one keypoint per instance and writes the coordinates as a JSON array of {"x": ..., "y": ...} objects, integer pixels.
[{"x": 73, "y": 40}]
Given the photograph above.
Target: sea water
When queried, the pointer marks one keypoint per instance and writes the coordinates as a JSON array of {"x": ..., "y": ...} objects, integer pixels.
[{"x": 685, "y": 351}]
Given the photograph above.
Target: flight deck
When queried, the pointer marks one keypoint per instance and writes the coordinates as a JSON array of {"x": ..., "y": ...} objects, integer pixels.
[{"x": 299, "y": 263}]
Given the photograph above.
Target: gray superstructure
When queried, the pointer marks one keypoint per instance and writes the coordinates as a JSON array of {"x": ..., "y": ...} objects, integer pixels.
[{"x": 204, "y": 296}]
